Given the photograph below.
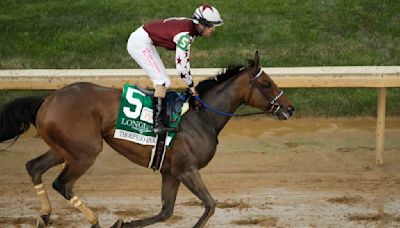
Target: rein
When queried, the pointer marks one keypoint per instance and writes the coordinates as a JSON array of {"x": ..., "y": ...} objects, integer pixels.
[
  {"x": 274, "y": 106},
  {"x": 223, "y": 113}
]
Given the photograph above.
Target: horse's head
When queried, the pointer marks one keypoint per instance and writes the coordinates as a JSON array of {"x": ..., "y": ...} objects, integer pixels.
[{"x": 264, "y": 94}]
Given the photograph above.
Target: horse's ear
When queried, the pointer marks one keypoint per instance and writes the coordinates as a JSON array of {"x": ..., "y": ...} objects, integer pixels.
[
  {"x": 255, "y": 63},
  {"x": 256, "y": 60}
]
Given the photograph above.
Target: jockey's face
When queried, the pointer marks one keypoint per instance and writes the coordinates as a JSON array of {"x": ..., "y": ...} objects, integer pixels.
[{"x": 205, "y": 30}]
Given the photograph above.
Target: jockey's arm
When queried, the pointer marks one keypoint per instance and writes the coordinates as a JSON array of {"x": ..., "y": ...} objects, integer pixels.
[{"x": 182, "y": 60}]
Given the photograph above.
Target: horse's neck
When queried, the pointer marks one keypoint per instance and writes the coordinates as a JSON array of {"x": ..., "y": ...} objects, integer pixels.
[{"x": 225, "y": 98}]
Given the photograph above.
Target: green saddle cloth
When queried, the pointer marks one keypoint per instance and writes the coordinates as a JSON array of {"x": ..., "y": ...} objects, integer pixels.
[{"x": 135, "y": 118}]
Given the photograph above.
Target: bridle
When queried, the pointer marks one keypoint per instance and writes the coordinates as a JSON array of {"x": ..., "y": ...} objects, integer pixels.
[{"x": 272, "y": 104}]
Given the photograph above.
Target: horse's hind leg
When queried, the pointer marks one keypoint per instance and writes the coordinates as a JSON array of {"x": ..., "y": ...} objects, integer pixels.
[
  {"x": 36, "y": 167},
  {"x": 170, "y": 186},
  {"x": 72, "y": 171}
]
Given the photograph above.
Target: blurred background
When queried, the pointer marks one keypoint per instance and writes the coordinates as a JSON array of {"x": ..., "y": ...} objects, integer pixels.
[{"x": 70, "y": 34}]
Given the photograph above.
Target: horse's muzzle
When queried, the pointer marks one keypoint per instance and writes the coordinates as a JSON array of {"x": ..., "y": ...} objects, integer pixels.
[{"x": 282, "y": 113}]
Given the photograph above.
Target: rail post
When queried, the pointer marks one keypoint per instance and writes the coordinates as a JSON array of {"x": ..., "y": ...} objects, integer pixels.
[{"x": 380, "y": 126}]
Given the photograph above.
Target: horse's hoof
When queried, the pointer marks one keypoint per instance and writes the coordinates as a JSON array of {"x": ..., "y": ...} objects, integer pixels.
[
  {"x": 43, "y": 221},
  {"x": 40, "y": 223},
  {"x": 118, "y": 224},
  {"x": 95, "y": 225}
]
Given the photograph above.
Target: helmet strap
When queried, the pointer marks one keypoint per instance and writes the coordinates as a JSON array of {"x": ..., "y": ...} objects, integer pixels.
[{"x": 200, "y": 28}]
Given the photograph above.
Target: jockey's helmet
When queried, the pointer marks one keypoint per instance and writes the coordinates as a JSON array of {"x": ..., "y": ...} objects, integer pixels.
[{"x": 207, "y": 15}]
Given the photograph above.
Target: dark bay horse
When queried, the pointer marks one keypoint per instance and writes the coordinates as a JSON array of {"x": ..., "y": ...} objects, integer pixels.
[{"x": 76, "y": 119}]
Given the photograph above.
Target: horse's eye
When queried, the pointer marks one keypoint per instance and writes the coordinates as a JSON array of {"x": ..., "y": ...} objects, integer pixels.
[{"x": 267, "y": 85}]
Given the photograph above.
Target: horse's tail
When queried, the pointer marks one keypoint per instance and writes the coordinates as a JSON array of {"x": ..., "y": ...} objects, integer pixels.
[{"x": 17, "y": 115}]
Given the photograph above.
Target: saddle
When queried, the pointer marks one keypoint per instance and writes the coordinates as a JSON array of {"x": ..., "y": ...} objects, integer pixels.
[{"x": 174, "y": 102}]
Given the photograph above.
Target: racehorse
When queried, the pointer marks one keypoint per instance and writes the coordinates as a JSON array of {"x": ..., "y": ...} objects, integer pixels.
[{"x": 75, "y": 120}]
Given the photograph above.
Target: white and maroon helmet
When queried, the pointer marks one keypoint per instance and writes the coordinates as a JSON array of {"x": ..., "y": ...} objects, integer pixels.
[{"x": 207, "y": 15}]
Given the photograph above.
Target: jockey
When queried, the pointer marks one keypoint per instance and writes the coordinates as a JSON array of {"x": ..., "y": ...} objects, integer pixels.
[{"x": 173, "y": 34}]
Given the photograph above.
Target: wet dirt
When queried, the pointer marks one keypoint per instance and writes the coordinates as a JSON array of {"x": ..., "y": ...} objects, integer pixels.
[{"x": 266, "y": 173}]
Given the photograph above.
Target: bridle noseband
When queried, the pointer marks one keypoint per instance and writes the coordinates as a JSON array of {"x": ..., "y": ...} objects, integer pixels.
[{"x": 272, "y": 105}]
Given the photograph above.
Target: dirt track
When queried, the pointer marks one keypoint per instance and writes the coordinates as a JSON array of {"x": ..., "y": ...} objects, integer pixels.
[{"x": 296, "y": 173}]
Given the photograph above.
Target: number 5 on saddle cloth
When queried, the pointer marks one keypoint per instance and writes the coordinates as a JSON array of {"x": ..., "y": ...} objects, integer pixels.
[{"x": 135, "y": 120}]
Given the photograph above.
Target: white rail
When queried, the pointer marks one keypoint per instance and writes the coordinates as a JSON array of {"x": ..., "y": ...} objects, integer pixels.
[{"x": 380, "y": 77}]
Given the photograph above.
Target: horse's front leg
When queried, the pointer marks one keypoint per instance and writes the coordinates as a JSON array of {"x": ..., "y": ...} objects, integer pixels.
[
  {"x": 170, "y": 186},
  {"x": 192, "y": 180}
]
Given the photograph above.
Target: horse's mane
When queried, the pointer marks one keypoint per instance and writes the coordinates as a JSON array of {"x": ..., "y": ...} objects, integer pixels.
[{"x": 226, "y": 74}]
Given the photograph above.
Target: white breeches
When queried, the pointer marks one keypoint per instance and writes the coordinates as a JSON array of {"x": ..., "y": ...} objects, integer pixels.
[{"x": 142, "y": 50}]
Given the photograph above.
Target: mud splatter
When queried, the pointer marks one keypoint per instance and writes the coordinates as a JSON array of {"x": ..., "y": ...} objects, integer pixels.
[
  {"x": 99, "y": 209},
  {"x": 17, "y": 221},
  {"x": 192, "y": 203},
  {"x": 132, "y": 212},
  {"x": 233, "y": 204},
  {"x": 224, "y": 204},
  {"x": 348, "y": 200},
  {"x": 174, "y": 219},
  {"x": 261, "y": 221},
  {"x": 384, "y": 217}
]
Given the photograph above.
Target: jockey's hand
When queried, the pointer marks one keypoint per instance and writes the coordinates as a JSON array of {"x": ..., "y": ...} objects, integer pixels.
[
  {"x": 196, "y": 103},
  {"x": 193, "y": 91}
]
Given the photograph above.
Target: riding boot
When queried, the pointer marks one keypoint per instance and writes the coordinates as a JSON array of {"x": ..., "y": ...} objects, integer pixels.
[{"x": 159, "y": 125}]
